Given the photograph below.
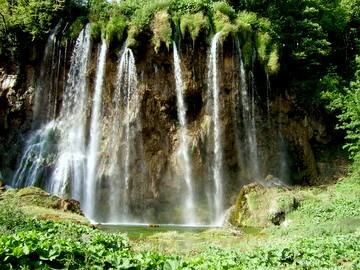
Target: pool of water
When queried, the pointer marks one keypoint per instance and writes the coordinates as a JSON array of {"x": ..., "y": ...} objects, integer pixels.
[{"x": 138, "y": 231}]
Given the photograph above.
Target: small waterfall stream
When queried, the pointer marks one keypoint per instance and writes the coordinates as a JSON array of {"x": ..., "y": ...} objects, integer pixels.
[
  {"x": 189, "y": 211},
  {"x": 217, "y": 165},
  {"x": 95, "y": 136},
  {"x": 248, "y": 113},
  {"x": 38, "y": 154},
  {"x": 46, "y": 87}
]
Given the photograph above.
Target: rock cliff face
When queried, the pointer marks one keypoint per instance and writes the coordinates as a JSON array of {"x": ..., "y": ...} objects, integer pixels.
[{"x": 263, "y": 132}]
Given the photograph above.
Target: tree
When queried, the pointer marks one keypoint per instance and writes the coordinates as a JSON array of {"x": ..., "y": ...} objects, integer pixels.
[{"x": 348, "y": 103}]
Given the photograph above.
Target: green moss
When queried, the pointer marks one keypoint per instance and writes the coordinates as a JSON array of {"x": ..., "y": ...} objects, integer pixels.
[
  {"x": 247, "y": 53},
  {"x": 75, "y": 28},
  {"x": 223, "y": 23},
  {"x": 194, "y": 24},
  {"x": 225, "y": 9},
  {"x": 162, "y": 31},
  {"x": 273, "y": 65},
  {"x": 115, "y": 29},
  {"x": 95, "y": 30},
  {"x": 262, "y": 43}
]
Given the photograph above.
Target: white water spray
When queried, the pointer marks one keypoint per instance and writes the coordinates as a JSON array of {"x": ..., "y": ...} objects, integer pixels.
[
  {"x": 37, "y": 157},
  {"x": 218, "y": 154},
  {"x": 248, "y": 111},
  {"x": 125, "y": 128},
  {"x": 95, "y": 135},
  {"x": 70, "y": 169},
  {"x": 189, "y": 211},
  {"x": 46, "y": 88}
]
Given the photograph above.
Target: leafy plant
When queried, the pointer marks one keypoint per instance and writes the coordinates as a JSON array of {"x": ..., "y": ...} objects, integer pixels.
[{"x": 348, "y": 102}]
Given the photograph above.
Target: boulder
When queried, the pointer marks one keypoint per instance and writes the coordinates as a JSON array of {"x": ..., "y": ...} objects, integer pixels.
[{"x": 258, "y": 206}]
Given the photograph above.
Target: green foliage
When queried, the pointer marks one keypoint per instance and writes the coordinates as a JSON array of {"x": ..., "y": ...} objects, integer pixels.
[
  {"x": 12, "y": 219},
  {"x": 95, "y": 30},
  {"x": 273, "y": 64},
  {"x": 348, "y": 102},
  {"x": 51, "y": 244},
  {"x": 222, "y": 23},
  {"x": 115, "y": 29},
  {"x": 75, "y": 28},
  {"x": 225, "y": 9},
  {"x": 194, "y": 24},
  {"x": 35, "y": 17},
  {"x": 262, "y": 42},
  {"x": 192, "y": 6},
  {"x": 141, "y": 19},
  {"x": 161, "y": 28}
]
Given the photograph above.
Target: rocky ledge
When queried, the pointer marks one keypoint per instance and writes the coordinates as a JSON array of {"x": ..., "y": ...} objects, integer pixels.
[{"x": 42, "y": 205}]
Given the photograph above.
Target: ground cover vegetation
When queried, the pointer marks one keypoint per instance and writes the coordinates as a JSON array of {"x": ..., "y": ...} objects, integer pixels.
[
  {"x": 323, "y": 232},
  {"x": 312, "y": 46}
]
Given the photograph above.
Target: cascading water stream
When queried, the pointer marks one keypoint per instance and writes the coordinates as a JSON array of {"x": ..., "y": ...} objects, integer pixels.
[
  {"x": 41, "y": 145},
  {"x": 95, "y": 135},
  {"x": 218, "y": 155},
  {"x": 122, "y": 138},
  {"x": 38, "y": 155},
  {"x": 189, "y": 211},
  {"x": 70, "y": 169},
  {"x": 248, "y": 111},
  {"x": 46, "y": 88}
]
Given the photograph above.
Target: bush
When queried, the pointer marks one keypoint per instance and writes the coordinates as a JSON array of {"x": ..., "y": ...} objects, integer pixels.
[{"x": 12, "y": 219}]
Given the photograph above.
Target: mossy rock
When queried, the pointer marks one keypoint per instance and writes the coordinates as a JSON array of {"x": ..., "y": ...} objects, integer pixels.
[
  {"x": 257, "y": 206},
  {"x": 38, "y": 197},
  {"x": 40, "y": 204}
]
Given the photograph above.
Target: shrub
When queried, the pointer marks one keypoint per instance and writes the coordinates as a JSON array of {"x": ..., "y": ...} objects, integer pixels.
[{"x": 12, "y": 218}]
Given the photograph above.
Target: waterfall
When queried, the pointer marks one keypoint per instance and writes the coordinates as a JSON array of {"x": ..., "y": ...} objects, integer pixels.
[
  {"x": 70, "y": 168},
  {"x": 217, "y": 166},
  {"x": 46, "y": 87},
  {"x": 40, "y": 147},
  {"x": 95, "y": 135},
  {"x": 125, "y": 127},
  {"x": 189, "y": 211},
  {"x": 37, "y": 157},
  {"x": 248, "y": 113}
]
